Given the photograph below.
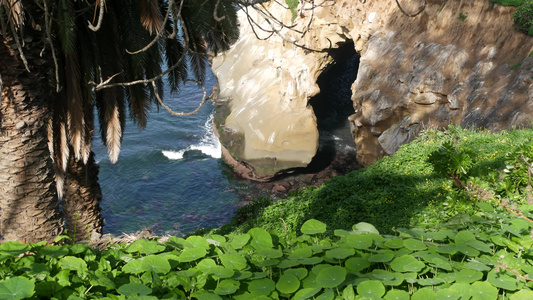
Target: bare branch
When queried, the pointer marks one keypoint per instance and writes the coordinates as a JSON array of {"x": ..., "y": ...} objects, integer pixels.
[
  {"x": 215, "y": 16},
  {"x": 48, "y": 25},
  {"x": 204, "y": 99},
  {"x": 100, "y": 18},
  {"x": 19, "y": 46},
  {"x": 412, "y": 15},
  {"x": 277, "y": 26}
]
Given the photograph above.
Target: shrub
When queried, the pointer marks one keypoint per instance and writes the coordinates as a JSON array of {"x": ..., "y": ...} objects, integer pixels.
[{"x": 523, "y": 17}]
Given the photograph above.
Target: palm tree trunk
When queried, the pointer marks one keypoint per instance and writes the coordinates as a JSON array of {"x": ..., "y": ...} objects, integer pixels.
[
  {"x": 81, "y": 200},
  {"x": 28, "y": 198}
]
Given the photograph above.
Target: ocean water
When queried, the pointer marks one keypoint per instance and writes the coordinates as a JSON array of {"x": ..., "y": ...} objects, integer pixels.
[{"x": 169, "y": 177}]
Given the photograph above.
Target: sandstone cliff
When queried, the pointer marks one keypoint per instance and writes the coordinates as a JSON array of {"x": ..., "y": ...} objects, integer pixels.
[{"x": 456, "y": 62}]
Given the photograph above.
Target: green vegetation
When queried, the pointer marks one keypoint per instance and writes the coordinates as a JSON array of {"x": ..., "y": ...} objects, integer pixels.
[
  {"x": 462, "y": 16},
  {"x": 404, "y": 187},
  {"x": 447, "y": 217},
  {"x": 508, "y": 2},
  {"x": 523, "y": 16}
]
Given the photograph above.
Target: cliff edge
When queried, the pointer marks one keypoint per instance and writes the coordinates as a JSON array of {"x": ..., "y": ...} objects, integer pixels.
[{"x": 456, "y": 61}]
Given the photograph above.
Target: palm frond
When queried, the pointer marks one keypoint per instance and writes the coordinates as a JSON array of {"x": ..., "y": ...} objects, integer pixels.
[
  {"x": 114, "y": 133},
  {"x": 15, "y": 11},
  {"x": 225, "y": 31},
  {"x": 151, "y": 17},
  {"x": 174, "y": 51},
  {"x": 138, "y": 104},
  {"x": 110, "y": 101},
  {"x": 65, "y": 23},
  {"x": 75, "y": 104},
  {"x": 110, "y": 104},
  {"x": 87, "y": 57}
]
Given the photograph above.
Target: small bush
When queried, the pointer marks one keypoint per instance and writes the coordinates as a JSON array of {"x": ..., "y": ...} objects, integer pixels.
[{"x": 523, "y": 17}]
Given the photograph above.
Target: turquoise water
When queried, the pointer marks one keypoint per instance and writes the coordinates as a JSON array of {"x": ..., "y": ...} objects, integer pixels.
[{"x": 169, "y": 176}]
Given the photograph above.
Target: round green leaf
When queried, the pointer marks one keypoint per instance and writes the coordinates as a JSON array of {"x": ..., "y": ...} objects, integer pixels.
[
  {"x": 192, "y": 254},
  {"x": 394, "y": 243},
  {"x": 206, "y": 265},
  {"x": 311, "y": 260},
  {"x": 301, "y": 253},
  {"x": 288, "y": 263},
  {"x": 348, "y": 292},
  {"x": 381, "y": 257},
  {"x": 387, "y": 278},
  {"x": 54, "y": 251},
  {"x": 331, "y": 277},
  {"x": 270, "y": 253},
  {"x": 313, "y": 226},
  {"x": 357, "y": 264},
  {"x": 306, "y": 293},
  {"x": 503, "y": 281},
  {"x": 300, "y": 273},
  {"x": 240, "y": 241},
  {"x": 430, "y": 281},
  {"x": 359, "y": 241},
  {"x": 447, "y": 294},
  {"x": 467, "y": 250},
  {"x": 397, "y": 295},
  {"x": 339, "y": 253},
  {"x": 198, "y": 242},
  {"x": 261, "y": 286},
  {"x": 233, "y": 261},
  {"x": 261, "y": 239},
  {"x": 476, "y": 266},
  {"x": 415, "y": 245},
  {"x": 134, "y": 288},
  {"x": 426, "y": 293},
  {"x": 155, "y": 263},
  {"x": 328, "y": 294},
  {"x": 407, "y": 263},
  {"x": 145, "y": 247},
  {"x": 464, "y": 237},
  {"x": 13, "y": 247},
  {"x": 468, "y": 276},
  {"x": 222, "y": 272},
  {"x": 133, "y": 267},
  {"x": 461, "y": 287},
  {"x": 483, "y": 290},
  {"x": 288, "y": 283},
  {"x": 16, "y": 288},
  {"x": 371, "y": 289},
  {"x": 365, "y": 227},
  {"x": 522, "y": 295},
  {"x": 226, "y": 287},
  {"x": 73, "y": 263},
  {"x": 205, "y": 295},
  {"x": 440, "y": 263}
]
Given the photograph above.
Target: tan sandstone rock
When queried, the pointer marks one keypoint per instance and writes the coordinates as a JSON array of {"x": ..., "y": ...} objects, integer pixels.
[{"x": 456, "y": 62}]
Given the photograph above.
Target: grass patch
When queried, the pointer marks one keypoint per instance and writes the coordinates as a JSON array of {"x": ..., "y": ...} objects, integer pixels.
[{"x": 402, "y": 190}]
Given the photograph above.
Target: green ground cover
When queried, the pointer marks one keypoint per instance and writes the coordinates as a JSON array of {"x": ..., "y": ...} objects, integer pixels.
[{"x": 447, "y": 217}]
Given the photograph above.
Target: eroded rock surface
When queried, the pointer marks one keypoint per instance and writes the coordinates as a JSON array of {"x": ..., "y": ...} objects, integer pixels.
[{"x": 456, "y": 62}]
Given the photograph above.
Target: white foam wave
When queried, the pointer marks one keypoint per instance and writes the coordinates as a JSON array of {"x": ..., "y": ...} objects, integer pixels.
[{"x": 208, "y": 145}]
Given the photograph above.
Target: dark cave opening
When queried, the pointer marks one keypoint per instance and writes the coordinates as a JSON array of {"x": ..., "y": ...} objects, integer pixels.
[{"x": 332, "y": 107}]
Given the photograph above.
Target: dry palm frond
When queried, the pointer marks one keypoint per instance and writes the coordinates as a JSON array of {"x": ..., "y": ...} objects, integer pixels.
[
  {"x": 113, "y": 134},
  {"x": 16, "y": 11},
  {"x": 63, "y": 147},
  {"x": 151, "y": 17},
  {"x": 75, "y": 107}
]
